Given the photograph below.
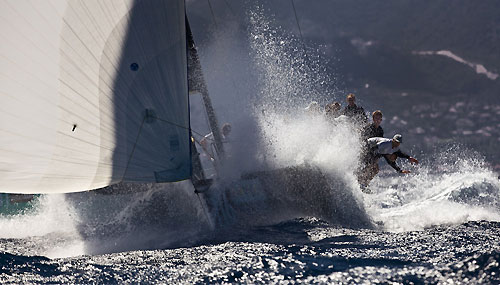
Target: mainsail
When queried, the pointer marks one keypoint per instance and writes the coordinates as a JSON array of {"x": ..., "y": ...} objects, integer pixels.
[{"x": 92, "y": 93}]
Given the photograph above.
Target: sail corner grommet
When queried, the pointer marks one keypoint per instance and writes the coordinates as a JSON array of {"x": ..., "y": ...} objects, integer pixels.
[{"x": 134, "y": 66}]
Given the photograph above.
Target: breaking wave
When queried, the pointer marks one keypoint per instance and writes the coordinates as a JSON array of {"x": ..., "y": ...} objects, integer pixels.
[{"x": 455, "y": 187}]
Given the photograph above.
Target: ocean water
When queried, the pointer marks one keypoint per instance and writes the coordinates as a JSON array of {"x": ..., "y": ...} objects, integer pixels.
[
  {"x": 300, "y": 250},
  {"x": 429, "y": 227}
]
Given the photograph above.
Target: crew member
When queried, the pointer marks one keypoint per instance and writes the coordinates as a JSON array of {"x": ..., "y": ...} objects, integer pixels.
[
  {"x": 376, "y": 148},
  {"x": 354, "y": 111},
  {"x": 374, "y": 129},
  {"x": 207, "y": 142},
  {"x": 333, "y": 110}
]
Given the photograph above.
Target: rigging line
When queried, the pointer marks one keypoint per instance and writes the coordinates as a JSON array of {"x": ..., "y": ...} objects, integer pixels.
[
  {"x": 300, "y": 30},
  {"x": 204, "y": 210},
  {"x": 135, "y": 144},
  {"x": 174, "y": 124},
  {"x": 207, "y": 119},
  {"x": 230, "y": 9},
  {"x": 212, "y": 11}
]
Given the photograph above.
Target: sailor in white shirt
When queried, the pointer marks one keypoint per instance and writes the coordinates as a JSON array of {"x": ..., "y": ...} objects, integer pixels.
[{"x": 376, "y": 148}]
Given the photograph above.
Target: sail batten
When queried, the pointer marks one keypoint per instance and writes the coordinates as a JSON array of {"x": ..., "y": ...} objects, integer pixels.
[{"x": 82, "y": 87}]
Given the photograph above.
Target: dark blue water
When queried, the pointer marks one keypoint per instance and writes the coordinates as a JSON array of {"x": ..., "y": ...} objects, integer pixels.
[
  {"x": 446, "y": 232},
  {"x": 301, "y": 250}
]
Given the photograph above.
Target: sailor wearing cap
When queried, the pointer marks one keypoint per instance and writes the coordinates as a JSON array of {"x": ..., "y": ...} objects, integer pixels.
[
  {"x": 389, "y": 149},
  {"x": 376, "y": 148}
]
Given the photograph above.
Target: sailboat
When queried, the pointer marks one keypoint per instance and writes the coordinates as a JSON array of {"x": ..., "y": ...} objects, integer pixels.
[{"x": 95, "y": 95}]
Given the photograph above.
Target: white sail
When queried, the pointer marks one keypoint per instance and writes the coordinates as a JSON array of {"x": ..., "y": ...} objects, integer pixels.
[{"x": 92, "y": 93}]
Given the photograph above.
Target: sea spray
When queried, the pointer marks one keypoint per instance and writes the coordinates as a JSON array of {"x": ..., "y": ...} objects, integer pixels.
[
  {"x": 291, "y": 78},
  {"x": 452, "y": 187},
  {"x": 457, "y": 188},
  {"x": 50, "y": 228},
  {"x": 50, "y": 214},
  {"x": 290, "y": 75},
  {"x": 155, "y": 216},
  {"x": 91, "y": 222},
  {"x": 303, "y": 163}
]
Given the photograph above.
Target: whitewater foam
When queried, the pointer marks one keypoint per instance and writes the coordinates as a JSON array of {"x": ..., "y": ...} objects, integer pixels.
[
  {"x": 464, "y": 189},
  {"x": 52, "y": 220}
]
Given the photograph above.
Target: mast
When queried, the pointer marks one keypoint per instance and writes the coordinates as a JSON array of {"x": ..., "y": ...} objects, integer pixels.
[{"x": 196, "y": 82}]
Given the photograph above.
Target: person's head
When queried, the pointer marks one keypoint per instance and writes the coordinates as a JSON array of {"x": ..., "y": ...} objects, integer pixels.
[
  {"x": 377, "y": 117},
  {"x": 333, "y": 109},
  {"x": 328, "y": 108},
  {"x": 336, "y": 106},
  {"x": 351, "y": 99},
  {"x": 226, "y": 129},
  {"x": 397, "y": 140}
]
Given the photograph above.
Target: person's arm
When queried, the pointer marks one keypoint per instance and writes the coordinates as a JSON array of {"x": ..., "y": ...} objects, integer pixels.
[
  {"x": 393, "y": 164},
  {"x": 205, "y": 144},
  {"x": 399, "y": 153}
]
